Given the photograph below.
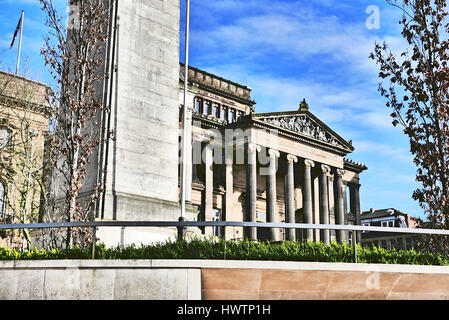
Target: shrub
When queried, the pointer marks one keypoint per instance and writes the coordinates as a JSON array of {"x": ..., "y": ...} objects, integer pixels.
[{"x": 237, "y": 250}]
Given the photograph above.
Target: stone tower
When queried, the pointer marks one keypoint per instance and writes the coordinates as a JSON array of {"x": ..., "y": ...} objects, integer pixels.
[{"x": 142, "y": 84}]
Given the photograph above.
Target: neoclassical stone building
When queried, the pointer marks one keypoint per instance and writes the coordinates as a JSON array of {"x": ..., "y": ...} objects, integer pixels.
[
  {"x": 265, "y": 167},
  {"x": 228, "y": 179}
]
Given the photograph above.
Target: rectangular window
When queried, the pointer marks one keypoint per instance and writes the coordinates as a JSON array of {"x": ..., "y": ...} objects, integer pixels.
[
  {"x": 216, "y": 111},
  {"x": 199, "y": 105},
  {"x": 233, "y": 115},
  {"x": 207, "y": 106},
  {"x": 4, "y": 138},
  {"x": 224, "y": 113},
  {"x": 389, "y": 223}
]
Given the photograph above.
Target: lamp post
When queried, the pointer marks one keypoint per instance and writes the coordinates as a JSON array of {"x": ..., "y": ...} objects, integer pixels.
[{"x": 181, "y": 230}]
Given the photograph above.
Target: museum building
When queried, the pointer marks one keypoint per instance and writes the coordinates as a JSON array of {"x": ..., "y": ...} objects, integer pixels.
[{"x": 277, "y": 167}]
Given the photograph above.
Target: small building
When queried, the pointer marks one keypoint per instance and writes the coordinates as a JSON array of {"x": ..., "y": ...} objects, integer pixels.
[
  {"x": 24, "y": 115},
  {"x": 388, "y": 218}
]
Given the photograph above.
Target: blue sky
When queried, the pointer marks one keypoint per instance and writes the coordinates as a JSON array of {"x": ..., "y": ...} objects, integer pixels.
[{"x": 286, "y": 51}]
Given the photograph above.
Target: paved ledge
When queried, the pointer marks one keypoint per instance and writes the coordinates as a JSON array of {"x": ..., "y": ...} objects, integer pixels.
[
  {"x": 294, "y": 265},
  {"x": 222, "y": 264}
]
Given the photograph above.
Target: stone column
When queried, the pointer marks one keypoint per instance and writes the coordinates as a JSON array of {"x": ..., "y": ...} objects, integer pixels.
[
  {"x": 272, "y": 212},
  {"x": 339, "y": 203},
  {"x": 324, "y": 202},
  {"x": 290, "y": 196},
  {"x": 209, "y": 186},
  {"x": 354, "y": 198},
  {"x": 307, "y": 196},
  {"x": 251, "y": 187}
]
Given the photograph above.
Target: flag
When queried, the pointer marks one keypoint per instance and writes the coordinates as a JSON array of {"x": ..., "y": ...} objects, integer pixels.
[{"x": 15, "y": 33}]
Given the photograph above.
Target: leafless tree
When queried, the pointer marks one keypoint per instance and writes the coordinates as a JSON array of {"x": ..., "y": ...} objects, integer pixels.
[
  {"x": 74, "y": 55},
  {"x": 415, "y": 84}
]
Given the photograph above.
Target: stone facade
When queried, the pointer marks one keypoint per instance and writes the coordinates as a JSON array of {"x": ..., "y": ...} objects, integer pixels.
[
  {"x": 24, "y": 118},
  {"x": 278, "y": 167}
]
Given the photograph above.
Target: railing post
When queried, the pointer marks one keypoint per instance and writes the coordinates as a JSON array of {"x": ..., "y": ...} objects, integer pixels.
[
  {"x": 354, "y": 243},
  {"x": 181, "y": 229},
  {"x": 224, "y": 253},
  {"x": 94, "y": 241}
]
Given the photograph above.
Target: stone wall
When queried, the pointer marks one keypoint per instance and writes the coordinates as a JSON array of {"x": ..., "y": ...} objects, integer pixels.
[
  {"x": 218, "y": 279},
  {"x": 96, "y": 280}
]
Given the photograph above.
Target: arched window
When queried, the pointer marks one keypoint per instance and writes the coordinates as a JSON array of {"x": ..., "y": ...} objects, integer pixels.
[{"x": 2, "y": 200}]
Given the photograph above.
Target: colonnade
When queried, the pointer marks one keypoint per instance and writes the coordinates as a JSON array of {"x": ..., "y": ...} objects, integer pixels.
[
  {"x": 293, "y": 163},
  {"x": 306, "y": 166}
]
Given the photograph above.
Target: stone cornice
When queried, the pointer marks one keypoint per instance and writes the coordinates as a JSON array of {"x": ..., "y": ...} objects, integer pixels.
[
  {"x": 354, "y": 166},
  {"x": 21, "y": 104},
  {"x": 208, "y": 120},
  {"x": 218, "y": 85}
]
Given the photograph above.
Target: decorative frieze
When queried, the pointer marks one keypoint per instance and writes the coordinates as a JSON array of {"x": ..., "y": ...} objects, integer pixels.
[{"x": 304, "y": 125}]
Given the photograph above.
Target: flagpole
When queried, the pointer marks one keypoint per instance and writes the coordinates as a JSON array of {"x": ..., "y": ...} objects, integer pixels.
[
  {"x": 20, "y": 43},
  {"x": 184, "y": 118}
]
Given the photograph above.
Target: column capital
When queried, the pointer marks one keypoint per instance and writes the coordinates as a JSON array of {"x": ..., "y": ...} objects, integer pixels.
[
  {"x": 253, "y": 147},
  {"x": 339, "y": 172},
  {"x": 325, "y": 169},
  {"x": 309, "y": 163},
  {"x": 291, "y": 158},
  {"x": 273, "y": 154}
]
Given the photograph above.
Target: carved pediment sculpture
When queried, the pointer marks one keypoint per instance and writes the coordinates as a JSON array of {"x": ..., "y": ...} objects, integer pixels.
[{"x": 302, "y": 124}]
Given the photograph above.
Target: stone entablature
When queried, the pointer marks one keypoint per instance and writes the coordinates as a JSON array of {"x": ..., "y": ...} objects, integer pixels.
[{"x": 215, "y": 84}]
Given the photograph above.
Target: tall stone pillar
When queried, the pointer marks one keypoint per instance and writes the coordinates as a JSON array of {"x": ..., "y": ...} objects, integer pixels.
[
  {"x": 251, "y": 187},
  {"x": 271, "y": 193},
  {"x": 324, "y": 202},
  {"x": 354, "y": 198},
  {"x": 339, "y": 203},
  {"x": 209, "y": 186},
  {"x": 307, "y": 197},
  {"x": 290, "y": 195},
  {"x": 144, "y": 102}
]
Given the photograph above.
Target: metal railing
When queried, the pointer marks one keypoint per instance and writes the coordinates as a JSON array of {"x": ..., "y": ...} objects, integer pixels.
[{"x": 181, "y": 225}]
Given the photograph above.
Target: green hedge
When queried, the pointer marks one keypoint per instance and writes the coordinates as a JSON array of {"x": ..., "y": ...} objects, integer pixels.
[{"x": 242, "y": 250}]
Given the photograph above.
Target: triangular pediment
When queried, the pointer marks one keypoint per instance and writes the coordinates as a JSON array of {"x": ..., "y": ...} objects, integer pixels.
[{"x": 304, "y": 124}]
